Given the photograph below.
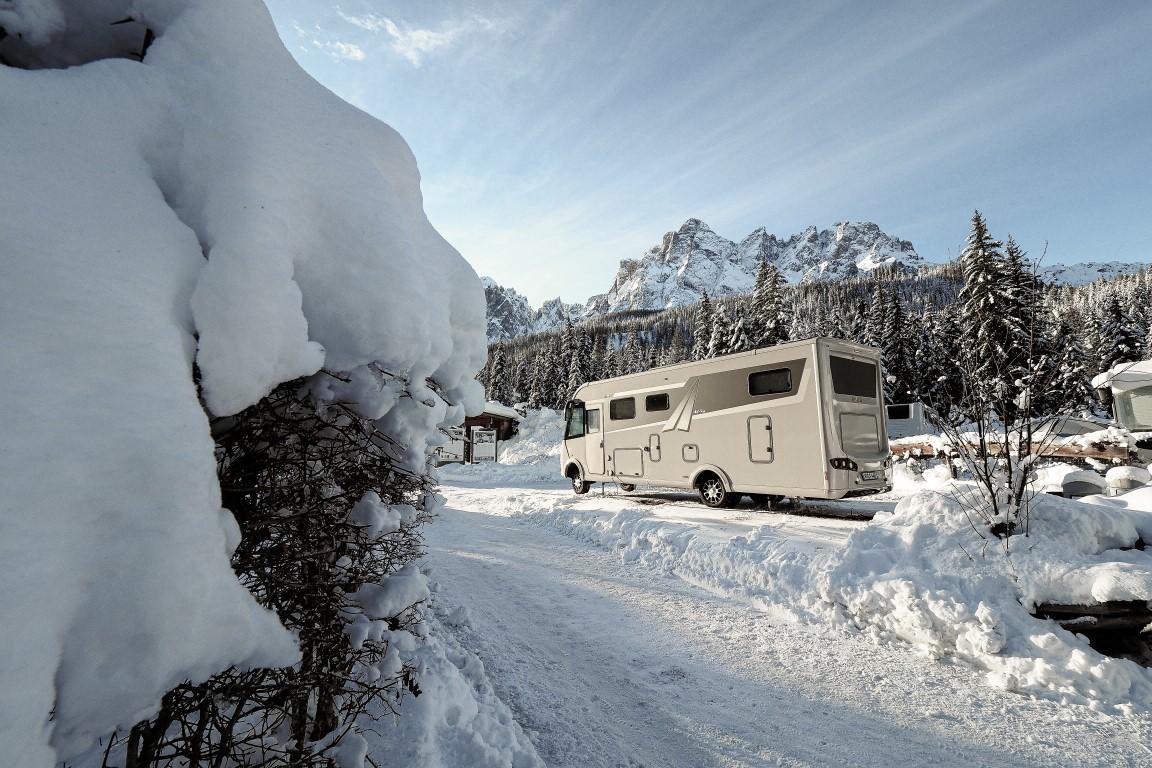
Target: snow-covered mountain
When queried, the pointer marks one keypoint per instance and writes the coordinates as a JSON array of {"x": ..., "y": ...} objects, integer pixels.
[
  {"x": 1088, "y": 272},
  {"x": 510, "y": 315},
  {"x": 694, "y": 258}
]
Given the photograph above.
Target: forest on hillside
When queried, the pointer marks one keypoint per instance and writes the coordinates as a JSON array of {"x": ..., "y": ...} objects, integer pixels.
[{"x": 986, "y": 305}]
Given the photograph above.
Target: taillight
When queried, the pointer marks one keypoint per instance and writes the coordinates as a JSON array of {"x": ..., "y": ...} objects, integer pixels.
[{"x": 844, "y": 464}]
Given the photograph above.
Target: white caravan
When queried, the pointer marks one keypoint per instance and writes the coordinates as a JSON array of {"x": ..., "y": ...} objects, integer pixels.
[
  {"x": 907, "y": 420},
  {"x": 803, "y": 419},
  {"x": 1128, "y": 389}
]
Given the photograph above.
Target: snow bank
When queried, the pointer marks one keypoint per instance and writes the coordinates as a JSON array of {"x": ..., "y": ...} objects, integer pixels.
[
  {"x": 457, "y": 720},
  {"x": 537, "y": 441},
  {"x": 211, "y": 205},
  {"x": 921, "y": 575}
]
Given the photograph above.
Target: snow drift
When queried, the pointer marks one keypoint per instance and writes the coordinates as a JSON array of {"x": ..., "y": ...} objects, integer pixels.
[{"x": 209, "y": 206}]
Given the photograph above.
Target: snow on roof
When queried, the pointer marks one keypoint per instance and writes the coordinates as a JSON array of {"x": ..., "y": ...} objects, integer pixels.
[{"x": 493, "y": 408}]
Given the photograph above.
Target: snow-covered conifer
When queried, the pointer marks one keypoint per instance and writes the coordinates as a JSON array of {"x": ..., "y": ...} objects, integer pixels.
[
  {"x": 721, "y": 331},
  {"x": 702, "y": 327}
]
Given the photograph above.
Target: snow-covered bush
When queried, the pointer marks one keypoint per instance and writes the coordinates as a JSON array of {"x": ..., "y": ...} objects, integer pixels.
[
  {"x": 181, "y": 235},
  {"x": 321, "y": 547}
]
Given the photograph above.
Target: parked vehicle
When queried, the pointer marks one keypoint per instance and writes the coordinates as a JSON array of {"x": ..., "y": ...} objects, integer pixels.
[
  {"x": 1127, "y": 388},
  {"x": 803, "y": 419},
  {"x": 907, "y": 420}
]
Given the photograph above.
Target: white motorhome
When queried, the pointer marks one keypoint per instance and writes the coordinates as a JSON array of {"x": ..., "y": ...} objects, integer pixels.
[
  {"x": 1128, "y": 389},
  {"x": 907, "y": 420},
  {"x": 803, "y": 419}
]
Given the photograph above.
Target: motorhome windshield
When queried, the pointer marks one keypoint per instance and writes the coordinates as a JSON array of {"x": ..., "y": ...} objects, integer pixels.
[
  {"x": 1134, "y": 408},
  {"x": 852, "y": 378}
]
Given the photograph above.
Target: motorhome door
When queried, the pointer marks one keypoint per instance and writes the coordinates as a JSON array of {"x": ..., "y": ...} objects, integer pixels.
[{"x": 594, "y": 442}]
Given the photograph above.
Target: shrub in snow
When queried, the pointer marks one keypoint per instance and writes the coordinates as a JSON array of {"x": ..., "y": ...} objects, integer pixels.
[
  {"x": 328, "y": 521},
  {"x": 1001, "y": 377},
  {"x": 209, "y": 207}
]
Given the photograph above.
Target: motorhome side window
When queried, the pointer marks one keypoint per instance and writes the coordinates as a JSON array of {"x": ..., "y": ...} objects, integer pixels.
[
  {"x": 853, "y": 378},
  {"x": 773, "y": 382},
  {"x": 592, "y": 420},
  {"x": 575, "y": 427},
  {"x": 656, "y": 403},
  {"x": 624, "y": 408},
  {"x": 903, "y": 411}
]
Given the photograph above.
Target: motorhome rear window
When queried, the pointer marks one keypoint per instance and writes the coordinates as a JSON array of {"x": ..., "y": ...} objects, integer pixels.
[
  {"x": 854, "y": 378},
  {"x": 900, "y": 411},
  {"x": 656, "y": 403},
  {"x": 624, "y": 408},
  {"x": 773, "y": 382}
]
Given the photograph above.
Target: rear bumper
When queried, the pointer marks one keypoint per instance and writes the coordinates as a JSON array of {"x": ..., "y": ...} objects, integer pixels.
[{"x": 865, "y": 492}]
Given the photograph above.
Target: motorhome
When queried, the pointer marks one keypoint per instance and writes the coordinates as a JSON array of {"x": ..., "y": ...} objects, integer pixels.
[
  {"x": 802, "y": 419},
  {"x": 907, "y": 420},
  {"x": 1127, "y": 388}
]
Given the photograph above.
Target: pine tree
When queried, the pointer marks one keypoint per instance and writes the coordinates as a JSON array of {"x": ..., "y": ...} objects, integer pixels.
[
  {"x": 498, "y": 377},
  {"x": 983, "y": 335},
  {"x": 1071, "y": 389},
  {"x": 1121, "y": 340},
  {"x": 738, "y": 340},
  {"x": 630, "y": 355},
  {"x": 1018, "y": 311},
  {"x": 877, "y": 319},
  {"x": 896, "y": 353},
  {"x": 702, "y": 328},
  {"x": 721, "y": 331},
  {"x": 677, "y": 353},
  {"x": 768, "y": 323}
]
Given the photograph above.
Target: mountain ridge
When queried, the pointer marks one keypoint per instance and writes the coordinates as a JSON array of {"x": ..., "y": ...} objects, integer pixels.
[{"x": 694, "y": 258}]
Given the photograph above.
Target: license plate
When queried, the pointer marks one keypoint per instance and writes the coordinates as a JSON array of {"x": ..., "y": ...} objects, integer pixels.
[{"x": 869, "y": 475}]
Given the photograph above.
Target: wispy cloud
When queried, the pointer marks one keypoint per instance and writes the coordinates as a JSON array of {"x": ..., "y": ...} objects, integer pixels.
[
  {"x": 415, "y": 43},
  {"x": 341, "y": 51}
]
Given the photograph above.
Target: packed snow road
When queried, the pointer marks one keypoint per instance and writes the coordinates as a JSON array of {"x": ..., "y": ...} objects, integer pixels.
[{"x": 611, "y": 663}]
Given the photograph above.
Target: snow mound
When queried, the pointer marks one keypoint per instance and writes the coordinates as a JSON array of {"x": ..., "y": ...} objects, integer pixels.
[
  {"x": 921, "y": 575},
  {"x": 1052, "y": 478},
  {"x": 210, "y": 206},
  {"x": 537, "y": 441}
]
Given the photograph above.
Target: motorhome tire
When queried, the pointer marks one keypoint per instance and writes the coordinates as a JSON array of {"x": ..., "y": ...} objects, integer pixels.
[
  {"x": 712, "y": 492},
  {"x": 579, "y": 485},
  {"x": 627, "y": 487}
]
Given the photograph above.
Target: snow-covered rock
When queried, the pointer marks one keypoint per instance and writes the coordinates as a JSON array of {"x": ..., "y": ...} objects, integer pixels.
[
  {"x": 209, "y": 206},
  {"x": 510, "y": 315}
]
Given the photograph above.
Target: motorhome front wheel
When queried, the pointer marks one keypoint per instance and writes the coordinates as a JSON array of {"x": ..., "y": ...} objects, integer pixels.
[{"x": 712, "y": 492}]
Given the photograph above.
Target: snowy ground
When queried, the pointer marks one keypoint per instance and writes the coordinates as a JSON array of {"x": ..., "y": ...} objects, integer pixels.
[{"x": 611, "y": 662}]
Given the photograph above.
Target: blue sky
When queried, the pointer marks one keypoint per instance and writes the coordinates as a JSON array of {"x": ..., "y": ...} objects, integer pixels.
[{"x": 556, "y": 138}]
